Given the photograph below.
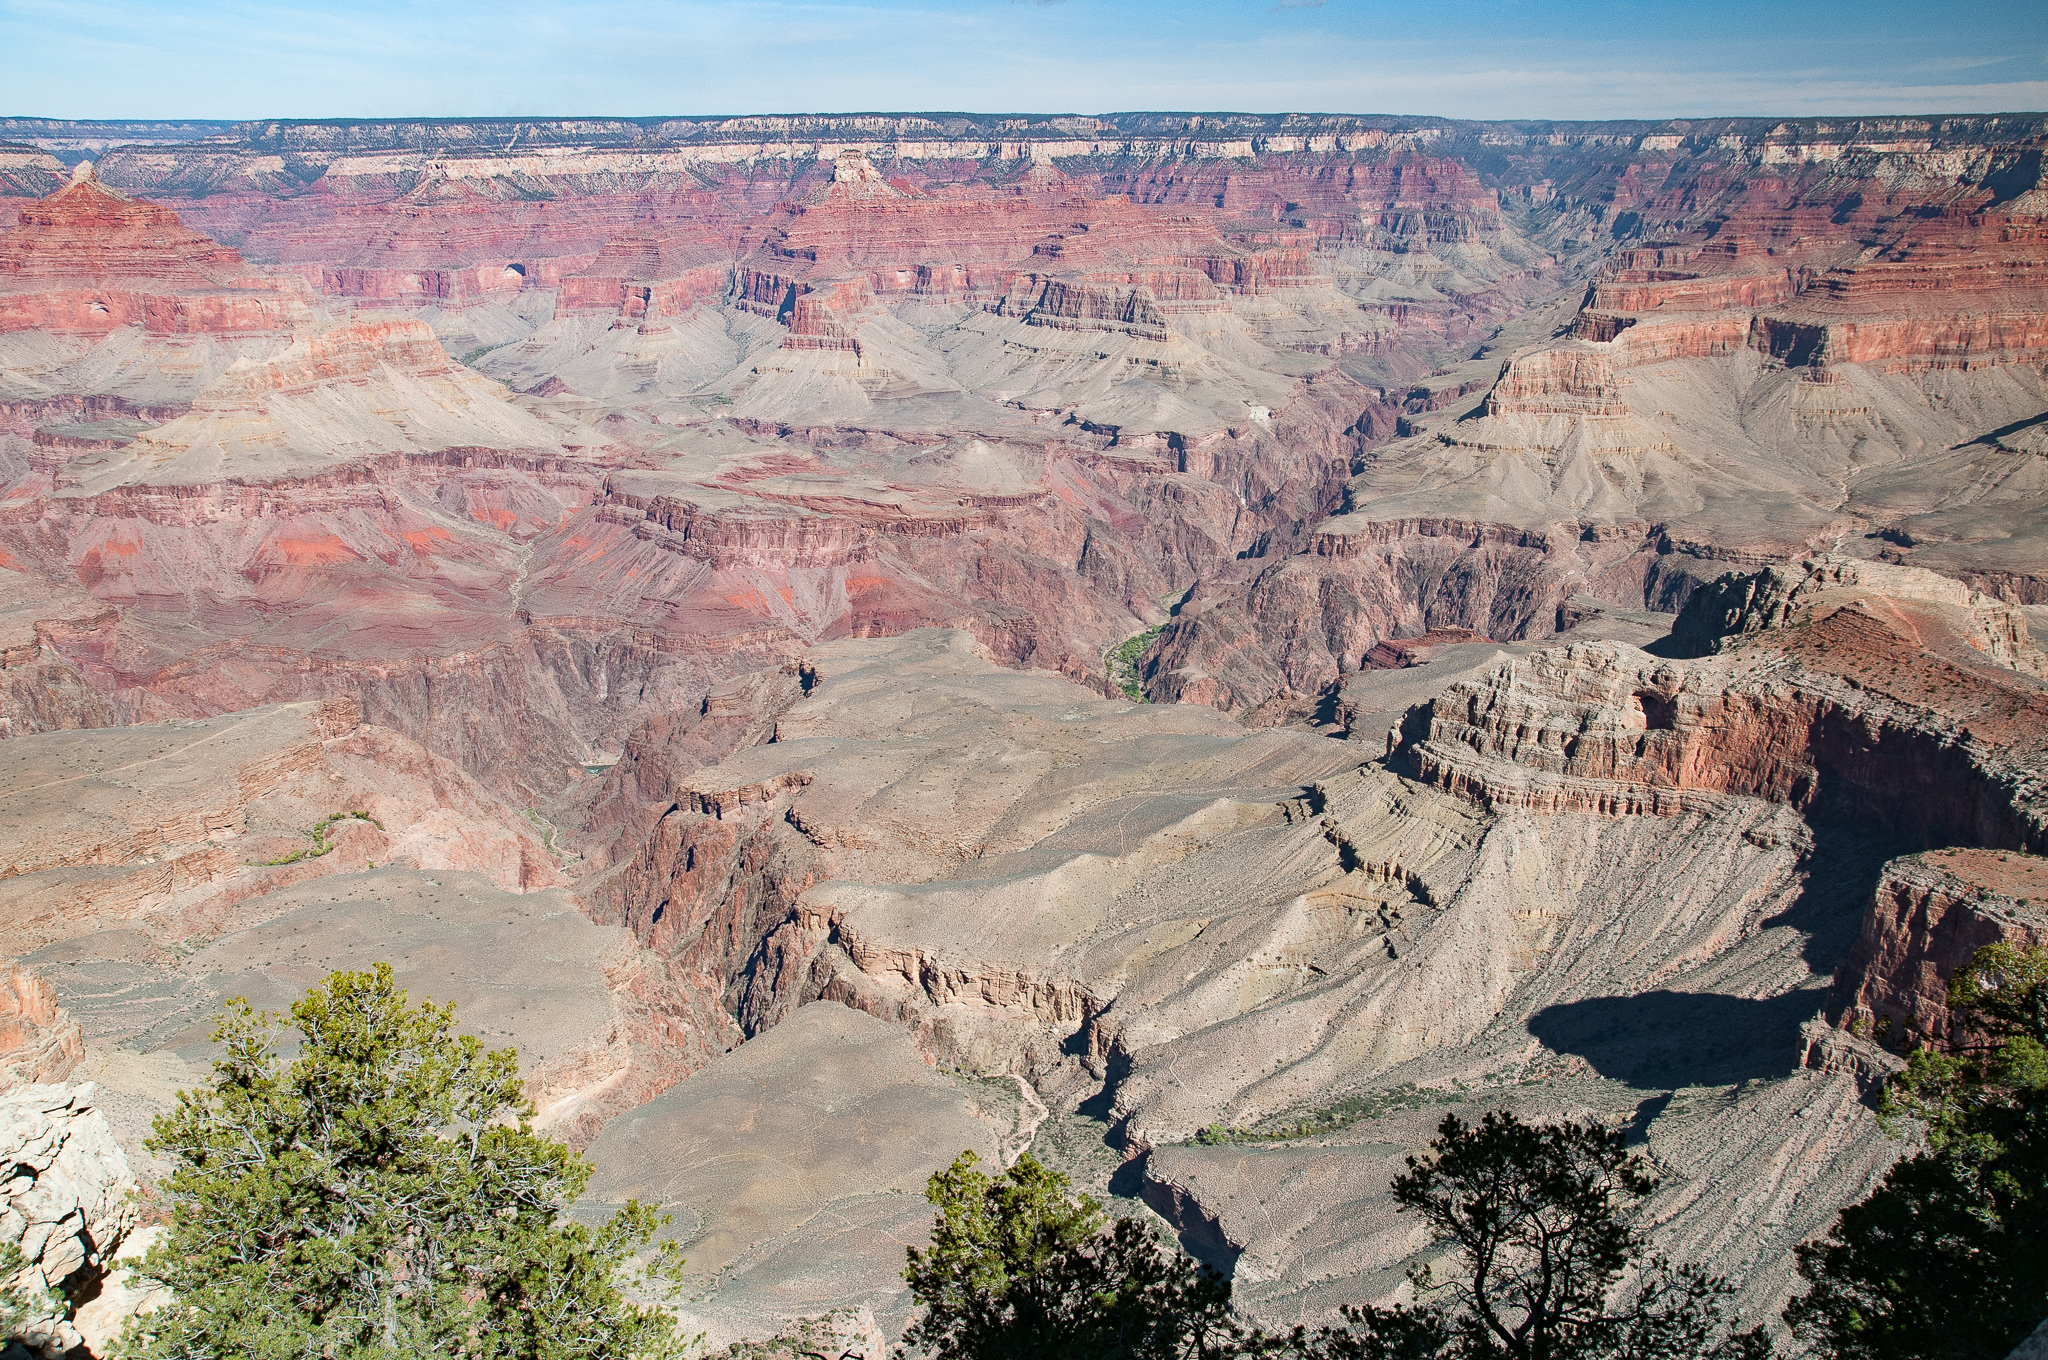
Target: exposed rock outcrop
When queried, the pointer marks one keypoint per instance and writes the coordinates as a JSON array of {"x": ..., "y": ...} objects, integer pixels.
[
  {"x": 1721, "y": 615},
  {"x": 2035, "y": 1347},
  {"x": 843, "y": 1334},
  {"x": 687, "y": 426},
  {"x": 1251, "y": 955},
  {"x": 1931, "y": 913},
  {"x": 89, "y": 259},
  {"x": 39, "y": 1043},
  {"x": 1872, "y": 698},
  {"x": 65, "y": 1201}
]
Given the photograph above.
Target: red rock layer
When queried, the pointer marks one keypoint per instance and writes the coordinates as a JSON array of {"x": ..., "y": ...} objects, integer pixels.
[
  {"x": 361, "y": 581},
  {"x": 1401, "y": 197},
  {"x": 90, "y": 260},
  {"x": 39, "y": 1042},
  {"x": 1936, "y": 750},
  {"x": 644, "y": 276},
  {"x": 1930, "y": 915},
  {"x": 1909, "y": 273}
]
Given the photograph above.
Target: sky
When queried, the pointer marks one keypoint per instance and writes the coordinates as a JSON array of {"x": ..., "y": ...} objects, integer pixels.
[{"x": 1458, "y": 58}]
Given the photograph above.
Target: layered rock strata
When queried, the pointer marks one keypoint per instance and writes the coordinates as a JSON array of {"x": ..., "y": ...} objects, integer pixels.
[
  {"x": 91, "y": 260},
  {"x": 40, "y": 1044},
  {"x": 1929, "y": 917},
  {"x": 1566, "y": 872},
  {"x": 1761, "y": 378},
  {"x": 65, "y": 1202},
  {"x": 1866, "y": 696},
  {"x": 663, "y": 438}
]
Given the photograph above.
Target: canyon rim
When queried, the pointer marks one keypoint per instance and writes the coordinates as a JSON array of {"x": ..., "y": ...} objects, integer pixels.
[{"x": 1191, "y": 645}]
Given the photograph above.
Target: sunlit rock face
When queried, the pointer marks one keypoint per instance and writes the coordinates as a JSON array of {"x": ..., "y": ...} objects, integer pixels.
[{"x": 658, "y": 583}]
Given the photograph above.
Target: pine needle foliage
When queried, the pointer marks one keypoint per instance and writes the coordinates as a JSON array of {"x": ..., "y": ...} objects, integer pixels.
[
  {"x": 375, "y": 1189},
  {"x": 1020, "y": 1268},
  {"x": 1948, "y": 1258},
  {"x": 23, "y": 1307},
  {"x": 1546, "y": 1266}
]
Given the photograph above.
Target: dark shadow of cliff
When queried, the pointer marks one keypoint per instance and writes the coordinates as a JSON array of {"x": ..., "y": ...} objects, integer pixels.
[
  {"x": 1200, "y": 1234},
  {"x": 1636, "y": 1132},
  {"x": 1852, "y": 842},
  {"x": 1660, "y": 1041}
]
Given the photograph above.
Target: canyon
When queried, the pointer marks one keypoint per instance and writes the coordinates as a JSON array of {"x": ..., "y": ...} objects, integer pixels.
[{"x": 1190, "y": 645}]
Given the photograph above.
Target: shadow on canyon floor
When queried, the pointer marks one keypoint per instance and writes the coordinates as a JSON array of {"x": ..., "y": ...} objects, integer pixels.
[
  {"x": 1660, "y": 1041},
  {"x": 1663, "y": 1040}
]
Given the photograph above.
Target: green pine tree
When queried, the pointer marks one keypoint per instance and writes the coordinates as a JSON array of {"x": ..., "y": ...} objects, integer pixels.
[
  {"x": 375, "y": 1190},
  {"x": 1021, "y": 1269},
  {"x": 22, "y": 1307},
  {"x": 1546, "y": 1265},
  {"x": 1948, "y": 1258}
]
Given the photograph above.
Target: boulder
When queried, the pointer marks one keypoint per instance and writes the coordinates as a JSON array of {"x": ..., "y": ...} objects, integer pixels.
[
  {"x": 842, "y": 1334},
  {"x": 66, "y": 1202}
]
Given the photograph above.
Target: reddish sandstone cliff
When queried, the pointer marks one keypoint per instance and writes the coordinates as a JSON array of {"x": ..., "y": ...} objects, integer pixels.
[
  {"x": 90, "y": 260},
  {"x": 39, "y": 1042},
  {"x": 1931, "y": 914}
]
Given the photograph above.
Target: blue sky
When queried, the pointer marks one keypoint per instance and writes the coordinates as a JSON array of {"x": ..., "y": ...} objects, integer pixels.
[{"x": 1461, "y": 58}]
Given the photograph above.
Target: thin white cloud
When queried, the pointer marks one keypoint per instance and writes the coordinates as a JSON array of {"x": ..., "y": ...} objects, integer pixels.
[{"x": 310, "y": 58}]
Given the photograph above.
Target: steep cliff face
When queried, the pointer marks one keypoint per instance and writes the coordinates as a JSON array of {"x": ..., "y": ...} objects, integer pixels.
[
  {"x": 727, "y": 883},
  {"x": 1865, "y": 696},
  {"x": 1176, "y": 310},
  {"x": 597, "y": 497},
  {"x": 1193, "y": 924},
  {"x": 39, "y": 1042},
  {"x": 1931, "y": 913},
  {"x": 1945, "y": 615},
  {"x": 1818, "y": 352}
]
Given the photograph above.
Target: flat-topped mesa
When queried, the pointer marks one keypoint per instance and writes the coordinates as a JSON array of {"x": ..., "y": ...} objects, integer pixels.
[
  {"x": 213, "y": 813},
  {"x": 824, "y": 318},
  {"x": 1633, "y": 290},
  {"x": 1064, "y": 305},
  {"x": 1601, "y": 727},
  {"x": 1930, "y": 914},
  {"x": 648, "y": 277},
  {"x": 1569, "y": 380},
  {"x": 88, "y": 259}
]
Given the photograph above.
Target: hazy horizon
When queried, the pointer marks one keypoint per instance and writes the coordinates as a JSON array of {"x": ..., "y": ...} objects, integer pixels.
[{"x": 1474, "y": 59}]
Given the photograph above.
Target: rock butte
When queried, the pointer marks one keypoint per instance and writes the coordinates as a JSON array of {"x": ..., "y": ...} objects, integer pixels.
[{"x": 652, "y": 581}]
